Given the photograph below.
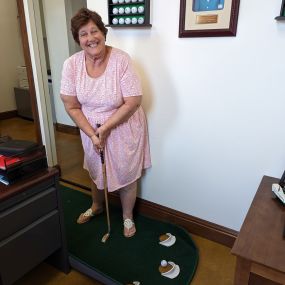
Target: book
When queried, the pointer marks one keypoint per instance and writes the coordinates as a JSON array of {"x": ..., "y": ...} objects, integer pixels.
[
  {"x": 4, "y": 180},
  {"x": 7, "y": 161}
]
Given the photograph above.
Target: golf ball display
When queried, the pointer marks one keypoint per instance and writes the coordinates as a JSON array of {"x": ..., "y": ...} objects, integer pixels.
[
  {"x": 114, "y": 1},
  {"x": 121, "y": 10},
  {"x": 140, "y": 20},
  {"x": 115, "y": 11},
  {"x": 141, "y": 9},
  {"x": 128, "y": 21},
  {"x": 134, "y": 10},
  {"x": 115, "y": 21},
  {"x": 127, "y": 10},
  {"x": 134, "y": 21},
  {"x": 121, "y": 21}
]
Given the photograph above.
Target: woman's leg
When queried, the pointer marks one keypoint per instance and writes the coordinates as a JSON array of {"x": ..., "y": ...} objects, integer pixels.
[
  {"x": 97, "y": 198},
  {"x": 128, "y": 196}
]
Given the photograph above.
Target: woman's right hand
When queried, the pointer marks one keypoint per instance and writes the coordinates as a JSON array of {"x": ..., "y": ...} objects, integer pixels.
[{"x": 96, "y": 143}]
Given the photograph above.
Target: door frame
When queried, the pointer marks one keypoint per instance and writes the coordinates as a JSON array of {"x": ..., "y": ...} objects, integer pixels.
[{"x": 32, "y": 38}]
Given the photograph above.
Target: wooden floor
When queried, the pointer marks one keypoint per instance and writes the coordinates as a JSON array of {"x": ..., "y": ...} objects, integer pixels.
[{"x": 216, "y": 264}]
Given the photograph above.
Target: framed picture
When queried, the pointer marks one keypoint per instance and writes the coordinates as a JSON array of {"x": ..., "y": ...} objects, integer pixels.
[{"x": 208, "y": 18}]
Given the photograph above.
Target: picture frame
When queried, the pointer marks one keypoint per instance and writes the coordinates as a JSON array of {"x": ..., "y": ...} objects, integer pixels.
[{"x": 208, "y": 18}]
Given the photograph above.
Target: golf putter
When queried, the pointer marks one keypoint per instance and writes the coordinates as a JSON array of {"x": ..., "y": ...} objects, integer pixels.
[{"x": 102, "y": 156}]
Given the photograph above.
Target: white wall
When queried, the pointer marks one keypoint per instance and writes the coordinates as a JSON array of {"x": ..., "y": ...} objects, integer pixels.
[
  {"x": 214, "y": 108},
  {"x": 11, "y": 54}
]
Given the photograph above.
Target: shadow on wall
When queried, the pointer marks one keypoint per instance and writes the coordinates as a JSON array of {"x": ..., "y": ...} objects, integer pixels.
[{"x": 160, "y": 105}]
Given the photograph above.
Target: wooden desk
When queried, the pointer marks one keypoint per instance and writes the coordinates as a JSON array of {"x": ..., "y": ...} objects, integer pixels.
[
  {"x": 31, "y": 223},
  {"x": 260, "y": 246}
]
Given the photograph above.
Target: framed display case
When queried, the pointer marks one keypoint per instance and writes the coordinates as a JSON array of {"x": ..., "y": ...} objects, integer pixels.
[
  {"x": 129, "y": 13},
  {"x": 282, "y": 12}
]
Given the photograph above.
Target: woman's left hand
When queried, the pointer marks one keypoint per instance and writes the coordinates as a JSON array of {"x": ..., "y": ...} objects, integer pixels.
[{"x": 102, "y": 133}]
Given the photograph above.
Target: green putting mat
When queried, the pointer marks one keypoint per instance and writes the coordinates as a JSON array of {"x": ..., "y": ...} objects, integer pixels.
[{"x": 124, "y": 260}]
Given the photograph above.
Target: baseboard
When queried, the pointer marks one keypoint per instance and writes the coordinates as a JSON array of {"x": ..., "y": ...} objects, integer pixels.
[
  {"x": 8, "y": 115},
  {"x": 202, "y": 228},
  {"x": 67, "y": 129}
]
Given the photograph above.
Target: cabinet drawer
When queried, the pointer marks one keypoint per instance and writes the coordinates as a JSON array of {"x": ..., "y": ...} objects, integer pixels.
[
  {"x": 28, "y": 247},
  {"x": 26, "y": 212}
]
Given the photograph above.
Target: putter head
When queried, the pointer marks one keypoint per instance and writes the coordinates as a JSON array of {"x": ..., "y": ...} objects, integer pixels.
[{"x": 105, "y": 237}]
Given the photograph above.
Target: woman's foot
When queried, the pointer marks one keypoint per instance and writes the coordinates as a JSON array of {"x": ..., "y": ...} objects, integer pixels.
[
  {"x": 88, "y": 215},
  {"x": 129, "y": 228}
]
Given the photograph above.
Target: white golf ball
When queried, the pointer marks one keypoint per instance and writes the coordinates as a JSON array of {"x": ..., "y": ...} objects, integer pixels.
[
  {"x": 127, "y": 1},
  {"x": 141, "y": 9},
  {"x": 134, "y": 10},
  {"x": 134, "y": 21},
  {"x": 115, "y": 11},
  {"x": 121, "y": 10},
  {"x": 115, "y": 21},
  {"x": 121, "y": 1},
  {"x": 134, "y": 1},
  {"x": 127, "y": 10},
  {"x": 127, "y": 21},
  {"x": 140, "y": 20},
  {"x": 163, "y": 263},
  {"x": 121, "y": 21},
  {"x": 141, "y": 0},
  {"x": 114, "y": 1}
]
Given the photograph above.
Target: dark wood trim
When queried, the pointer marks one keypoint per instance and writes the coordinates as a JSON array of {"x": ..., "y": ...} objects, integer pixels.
[
  {"x": 8, "y": 115},
  {"x": 202, "y": 228},
  {"x": 28, "y": 63},
  {"x": 192, "y": 224},
  {"x": 67, "y": 129}
]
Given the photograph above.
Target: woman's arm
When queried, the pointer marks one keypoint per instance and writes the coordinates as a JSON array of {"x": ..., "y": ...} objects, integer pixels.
[
  {"x": 73, "y": 108},
  {"x": 128, "y": 108}
]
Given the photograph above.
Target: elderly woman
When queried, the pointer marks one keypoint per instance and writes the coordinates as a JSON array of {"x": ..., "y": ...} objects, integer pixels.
[{"x": 99, "y": 87}]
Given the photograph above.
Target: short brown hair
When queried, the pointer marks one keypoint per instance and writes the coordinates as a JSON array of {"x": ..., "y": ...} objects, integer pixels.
[{"x": 82, "y": 17}]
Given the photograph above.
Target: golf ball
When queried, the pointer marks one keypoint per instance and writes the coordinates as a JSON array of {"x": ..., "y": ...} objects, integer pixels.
[
  {"x": 141, "y": 0},
  {"x": 163, "y": 263},
  {"x": 140, "y": 9},
  {"x": 121, "y": 21},
  {"x": 121, "y": 10},
  {"x": 115, "y": 21},
  {"x": 134, "y": 10},
  {"x": 127, "y": 10},
  {"x": 134, "y": 21},
  {"x": 127, "y": 21},
  {"x": 134, "y": 1},
  {"x": 121, "y": 1},
  {"x": 114, "y": 1},
  {"x": 127, "y": 1},
  {"x": 115, "y": 11},
  {"x": 140, "y": 20}
]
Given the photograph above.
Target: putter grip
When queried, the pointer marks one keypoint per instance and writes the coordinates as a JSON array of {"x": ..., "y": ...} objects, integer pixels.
[{"x": 101, "y": 151}]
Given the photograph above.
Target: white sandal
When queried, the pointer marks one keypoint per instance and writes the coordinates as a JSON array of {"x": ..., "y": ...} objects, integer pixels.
[
  {"x": 128, "y": 224},
  {"x": 88, "y": 215}
]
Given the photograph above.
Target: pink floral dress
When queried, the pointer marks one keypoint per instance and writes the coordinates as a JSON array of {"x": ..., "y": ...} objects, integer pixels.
[{"x": 127, "y": 147}]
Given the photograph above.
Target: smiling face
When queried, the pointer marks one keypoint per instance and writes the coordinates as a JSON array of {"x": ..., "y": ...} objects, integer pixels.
[{"x": 92, "y": 40}]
